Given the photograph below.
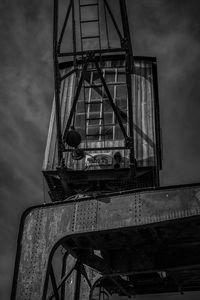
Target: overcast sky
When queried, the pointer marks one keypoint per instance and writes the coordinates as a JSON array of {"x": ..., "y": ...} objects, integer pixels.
[{"x": 167, "y": 29}]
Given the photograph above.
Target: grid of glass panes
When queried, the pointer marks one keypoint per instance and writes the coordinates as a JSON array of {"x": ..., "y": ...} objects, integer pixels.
[{"x": 95, "y": 118}]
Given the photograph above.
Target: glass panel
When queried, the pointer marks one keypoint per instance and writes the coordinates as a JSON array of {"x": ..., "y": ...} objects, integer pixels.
[
  {"x": 81, "y": 95},
  {"x": 96, "y": 94},
  {"x": 123, "y": 116},
  {"x": 96, "y": 78},
  {"x": 121, "y": 91},
  {"x": 80, "y": 120},
  {"x": 111, "y": 90},
  {"x": 93, "y": 133},
  {"x": 80, "y": 107},
  {"x": 118, "y": 63},
  {"x": 107, "y": 106},
  {"x": 121, "y": 77},
  {"x": 107, "y": 132},
  {"x": 118, "y": 133},
  {"x": 122, "y": 104},
  {"x": 108, "y": 118},
  {"x": 110, "y": 76},
  {"x": 95, "y": 107},
  {"x": 81, "y": 130},
  {"x": 88, "y": 77},
  {"x": 94, "y": 118}
]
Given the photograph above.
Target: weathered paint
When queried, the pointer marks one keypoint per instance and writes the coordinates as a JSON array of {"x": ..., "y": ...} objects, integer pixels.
[{"x": 44, "y": 226}]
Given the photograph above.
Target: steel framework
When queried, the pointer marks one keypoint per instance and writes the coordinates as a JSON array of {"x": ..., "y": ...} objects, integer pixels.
[
  {"x": 90, "y": 56},
  {"x": 83, "y": 61},
  {"x": 143, "y": 242},
  {"x": 94, "y": 244}
]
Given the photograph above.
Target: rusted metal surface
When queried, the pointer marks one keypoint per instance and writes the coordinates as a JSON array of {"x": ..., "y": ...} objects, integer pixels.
[{"x": 46, "y": 225}]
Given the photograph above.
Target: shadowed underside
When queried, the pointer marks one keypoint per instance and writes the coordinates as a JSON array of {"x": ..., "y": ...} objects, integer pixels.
[{"x": 139, "y": 242}]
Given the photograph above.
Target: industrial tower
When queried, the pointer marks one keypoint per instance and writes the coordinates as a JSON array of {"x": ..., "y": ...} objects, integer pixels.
[{"x": 110, "y": 228}]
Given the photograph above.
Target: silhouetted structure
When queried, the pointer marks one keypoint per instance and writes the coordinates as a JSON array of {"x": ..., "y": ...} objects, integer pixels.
[{"x": 111, "y": 229}]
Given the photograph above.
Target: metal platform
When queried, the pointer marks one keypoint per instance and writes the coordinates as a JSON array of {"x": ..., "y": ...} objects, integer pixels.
[{"x": 155, "y": 231}]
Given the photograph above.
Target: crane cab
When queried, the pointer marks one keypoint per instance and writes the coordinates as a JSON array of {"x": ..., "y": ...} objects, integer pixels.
[{"x": 96, "y": 152}]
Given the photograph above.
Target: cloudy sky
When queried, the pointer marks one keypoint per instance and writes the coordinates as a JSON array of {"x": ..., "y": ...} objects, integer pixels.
[{"x": 166, "y": 29}]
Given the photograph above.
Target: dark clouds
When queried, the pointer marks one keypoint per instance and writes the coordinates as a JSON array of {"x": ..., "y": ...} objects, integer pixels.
[
  {"x": 26, "y": 91},
  {"x": 170, "y": 31},
  {"x": 166, "y": 29}
]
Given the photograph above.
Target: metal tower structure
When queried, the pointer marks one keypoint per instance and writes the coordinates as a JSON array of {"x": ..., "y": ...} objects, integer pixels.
[
  {"x": 110, "y": 228},
  {"x": 105, "y": 141}
]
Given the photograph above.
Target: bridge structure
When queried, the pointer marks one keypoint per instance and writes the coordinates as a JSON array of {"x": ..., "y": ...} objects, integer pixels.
[{"x": 110, "y": 228}]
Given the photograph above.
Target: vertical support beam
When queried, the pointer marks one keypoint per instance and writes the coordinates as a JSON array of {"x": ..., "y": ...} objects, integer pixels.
[
  {"x": 125, "y": 24},
  {"x": 57, "y": 82},
  {"x": 129, "y": 69},
  {"x": 157, "y": 125},
  {"x": 74, "y": 34},
  {"x": 78, "y": 281}
]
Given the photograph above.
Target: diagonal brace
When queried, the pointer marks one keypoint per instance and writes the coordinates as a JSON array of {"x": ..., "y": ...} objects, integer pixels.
[
  {"x": 63, "y": 280},
  {"x": 64, "y": 26},
  {"x": 69, "y": 74},
  {"x": 53, "y": 281},
  {"x": 84, "y": 273},
  {"x": 113, "y": 19},
  {"x": 72, "y": 111},
  {"x": 122, "y": 289}
]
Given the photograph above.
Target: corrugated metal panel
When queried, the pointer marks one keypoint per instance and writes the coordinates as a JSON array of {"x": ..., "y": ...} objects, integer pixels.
[
  {"x": 143, "y": 116},
  {"x": 67, "y": 88}
]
